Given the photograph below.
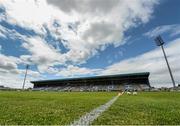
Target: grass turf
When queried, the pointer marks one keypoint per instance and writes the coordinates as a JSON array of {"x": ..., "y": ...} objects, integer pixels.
[
  {"x": 47, "y": 107},
  {"x": 156, "y": 108},
  {"x": 63, "y": 108}
]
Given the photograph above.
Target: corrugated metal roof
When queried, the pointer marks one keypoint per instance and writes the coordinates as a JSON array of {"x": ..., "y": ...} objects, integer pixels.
[{"x": 95, "y": 77}]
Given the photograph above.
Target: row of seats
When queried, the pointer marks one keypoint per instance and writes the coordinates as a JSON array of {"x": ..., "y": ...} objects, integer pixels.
[{"x": 95, "y": 88}]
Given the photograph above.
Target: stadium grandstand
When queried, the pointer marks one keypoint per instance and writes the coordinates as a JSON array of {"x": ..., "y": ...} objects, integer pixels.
[{"x": 119, "y": 82}]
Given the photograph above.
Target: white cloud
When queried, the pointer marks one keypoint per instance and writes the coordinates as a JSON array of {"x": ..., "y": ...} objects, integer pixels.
[
  {"x": 8, "y": 62},
  {"x": 15, "y": 80},
  {"x": 42, "y": 54},
  {"x": 11, "y": 75},
  {"x": 77, "y": 71},
  {"x": 172, "y": 29},
  {"x": 10, "y": 33},
  {"x": 85, "y": 28},
  {"x": 153, "y": 62},
  {"x": 3, "y": 32}
]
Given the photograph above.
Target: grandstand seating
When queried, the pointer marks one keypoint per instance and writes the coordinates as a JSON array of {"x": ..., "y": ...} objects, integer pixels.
[{"x": 111, "y": 87}]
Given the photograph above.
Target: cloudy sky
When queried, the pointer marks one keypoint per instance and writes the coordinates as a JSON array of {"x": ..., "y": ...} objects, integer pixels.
[{"x": 73, "y": 38}]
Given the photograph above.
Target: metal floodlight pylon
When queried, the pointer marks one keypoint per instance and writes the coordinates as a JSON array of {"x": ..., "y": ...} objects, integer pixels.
[
  {"x": 159, "y": 42},
  {"x": 27, "y": 67}
]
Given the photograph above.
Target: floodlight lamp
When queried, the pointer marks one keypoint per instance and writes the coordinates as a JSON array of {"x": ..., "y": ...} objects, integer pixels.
[{"x": 159, "y": 41}]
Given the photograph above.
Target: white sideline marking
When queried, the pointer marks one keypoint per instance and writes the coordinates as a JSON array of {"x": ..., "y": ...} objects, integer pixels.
[{"x": 88, "y": 118}]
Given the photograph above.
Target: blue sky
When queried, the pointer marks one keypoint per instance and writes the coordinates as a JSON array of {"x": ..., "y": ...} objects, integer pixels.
[{"x": 67, "y": 39}]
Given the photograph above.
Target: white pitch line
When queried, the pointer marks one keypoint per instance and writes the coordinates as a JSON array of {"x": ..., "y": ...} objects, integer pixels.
[{"x": 88, "y": 118}]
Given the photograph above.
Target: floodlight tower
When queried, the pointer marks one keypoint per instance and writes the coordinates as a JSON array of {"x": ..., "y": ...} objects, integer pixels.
[
  {"x": 159, "y": 42},
  {"x": 27, "y": 66}
]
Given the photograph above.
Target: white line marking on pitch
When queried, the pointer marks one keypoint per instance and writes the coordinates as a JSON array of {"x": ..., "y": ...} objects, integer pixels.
[{"x": 88, "y": 118}]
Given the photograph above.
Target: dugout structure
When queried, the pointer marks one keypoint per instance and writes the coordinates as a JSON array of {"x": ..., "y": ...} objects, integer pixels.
[{"x": 131, "y": 81}]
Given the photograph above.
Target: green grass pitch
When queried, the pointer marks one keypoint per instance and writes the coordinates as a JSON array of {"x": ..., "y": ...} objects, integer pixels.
[
  {"x": 65, "y": 107},
  {"x": 47, "y": 107},
  {"x": 150, "y": 108}
]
